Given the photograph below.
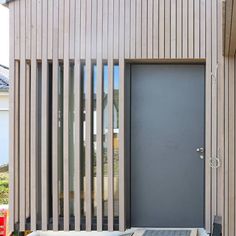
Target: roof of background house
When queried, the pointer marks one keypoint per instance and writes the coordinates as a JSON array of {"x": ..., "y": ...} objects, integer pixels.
[
  {"x": 4, "y": 168},
  {"x": 5, "y": 1},
  {"x": 4, "y": 78}
]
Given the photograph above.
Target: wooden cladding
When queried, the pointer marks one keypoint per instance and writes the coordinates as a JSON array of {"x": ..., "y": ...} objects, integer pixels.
[
  {"x": 115, "y": 28},
  {"x": 57, "y": 48},
  {"x": 71, "y": 168},
  {"x": 229, "y": 130}
]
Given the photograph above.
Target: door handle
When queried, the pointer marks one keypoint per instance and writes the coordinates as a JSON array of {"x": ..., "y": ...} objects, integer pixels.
[{"x": 201, "y": 151}]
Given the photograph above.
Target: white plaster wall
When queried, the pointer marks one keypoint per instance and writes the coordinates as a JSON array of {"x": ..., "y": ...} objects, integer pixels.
[
  {"x": 4, "y": 100},
  {"x": 4, "y": 128}
]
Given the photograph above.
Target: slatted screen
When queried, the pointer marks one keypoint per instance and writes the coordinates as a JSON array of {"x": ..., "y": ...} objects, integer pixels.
[{"x": 72, "y": 147}]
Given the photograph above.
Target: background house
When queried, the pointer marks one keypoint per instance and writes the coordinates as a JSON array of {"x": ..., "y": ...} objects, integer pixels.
[{"x": 4, "y": 114}]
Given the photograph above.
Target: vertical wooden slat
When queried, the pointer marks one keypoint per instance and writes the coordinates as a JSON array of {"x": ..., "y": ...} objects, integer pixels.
[
  {"x": 66, "y": 93},
  {"x": 173, "y": 31},
  {"x": 44, "y": 134},
  {"x": 66, "y": 142},
  {"x": 72, "y": 28},
  {"x": 127, "y": 28},
  {"x": 99, "y": 28},
  {"x": 22, "y": 117},
  {"x": 167, "y": 24},
  {"x": 231, "y": 147},
  {"x": 226, "y": 154},
  {"x": 190, "y": 28},
  {"x": 22, "y": 145},
  {"x": 132, "y": 29},
  {"x": 105, "y": 28},
  {"x": 33, "y": 127},
  {"x": 77, "y": 28},
  {"x": 89, "y": 28},
  {"x": 39, "y": 29},
  {"x": 78, "y": 124},
  {"x": 144, "y": 31},
  {"x": 99, "y": 142},
  {"x": 221, "y": 115},
  {"x": 50, "y": 29},
  {"x": 83, "y": 29},
  {"x": 110, "y": 146},
  {"x": 116, "y": 29},
  {"x": 179, "y": 28},
  {"x": 99, "y": 120},
  {"x": 228, "y": 24},
  {"x": 44, "y": 141},
  {"x": 150, "y": 29},
  {"x": 161, "y": 29},
  {"x": 196, "y": 28},
  {"x": 55, "y": 89},
  {"x": 61, "y": 30},
  {"x": 155, "y": 28},
  {"x": 28, "y": 17},
  {"x": 88, "y": 145},
  {"x": 94, "y": 29},
  {"x": 232, "y": 32},
  {"x": 17, "y": 29},
  {"x": 27, "y": 144},
  {"x": 55, "y": 193},
  {"x": 185, "y": 28},
  {"x": 138, "y": 20},
  {"x": 122, "y": 29},
  {"x": 78, "y": 151},
  {"x": 122, "y": 219},
  {"x": 208, "y": 122},
  {"x": 89, "y": 110},
  {"x": 110, "y": 28},
  {"x": 33, "y": 139},
  {"x": 203, "y": 28},
  {"x": 17, "y": 140},
  {"x": 214, "y": 104},
  {"x": 12, "y": 87}
]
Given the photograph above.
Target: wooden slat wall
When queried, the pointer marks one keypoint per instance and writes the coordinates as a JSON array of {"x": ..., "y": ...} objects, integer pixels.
[
  {"x": 228, "y": 129},
  {"x": 160, "y": 24},
  {"x": 229, "y": 203},
  {"x": 98, "y": 31}
]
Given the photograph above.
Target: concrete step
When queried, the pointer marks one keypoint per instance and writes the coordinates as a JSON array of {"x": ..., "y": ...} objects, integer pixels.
[{"x": 167, "y": 232}]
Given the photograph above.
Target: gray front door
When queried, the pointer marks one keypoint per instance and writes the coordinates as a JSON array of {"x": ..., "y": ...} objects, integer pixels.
[{"x": 167, "y": 126}]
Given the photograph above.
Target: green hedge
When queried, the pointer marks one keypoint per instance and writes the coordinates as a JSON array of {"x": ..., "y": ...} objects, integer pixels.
[{"x": 4, "y": 188}]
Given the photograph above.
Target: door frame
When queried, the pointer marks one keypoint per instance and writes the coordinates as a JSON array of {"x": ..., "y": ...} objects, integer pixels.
[{"x": 207, "y": 128}]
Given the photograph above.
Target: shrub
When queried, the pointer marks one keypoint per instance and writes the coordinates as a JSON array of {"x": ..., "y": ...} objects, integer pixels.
[{"x": 4, "y": 188}]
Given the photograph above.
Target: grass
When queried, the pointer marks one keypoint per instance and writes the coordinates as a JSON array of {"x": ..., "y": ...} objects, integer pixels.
[{"x": 4, "y": 188}]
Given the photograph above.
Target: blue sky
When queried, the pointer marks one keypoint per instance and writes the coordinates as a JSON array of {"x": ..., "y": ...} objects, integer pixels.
[
  {"x": 105, "y": 74},
  {"x": 4, "y": 60},
  {"x": 116, "y": 77},
  {"x": 4, "y": 39}
]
